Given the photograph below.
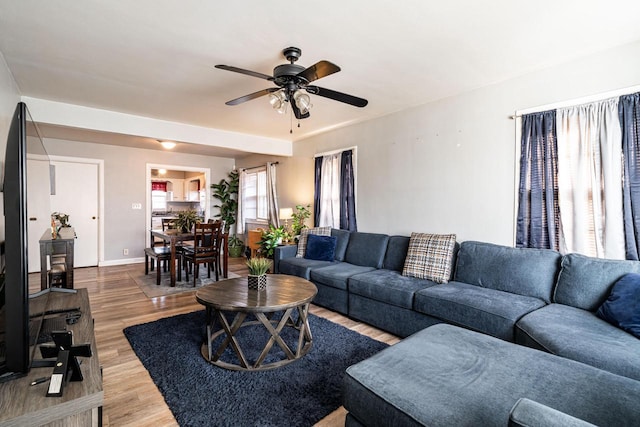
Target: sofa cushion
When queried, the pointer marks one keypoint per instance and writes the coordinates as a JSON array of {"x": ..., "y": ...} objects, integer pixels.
[
  {"x": 523, "y": 271},
  {"x": 366, "y": 249},
  {"x": 448, "y": 376},
  {"x": 342, "y": 237},
  {"x": 396, "y": 253},
  {"x": 321, "y": 248},
  {"x": 482, "y": 309},
  {"x": 430, "y": 256},
  {"x": 580, "y": 335},
  {"x": 304, "y": 235},
  {"x": 336, "y": 275},
  {"x": 301, "y": 267},
  {"x": 586, "y": 282},
  {"x": 622, "y": 308},
  {"x": 388, "y": 286}
]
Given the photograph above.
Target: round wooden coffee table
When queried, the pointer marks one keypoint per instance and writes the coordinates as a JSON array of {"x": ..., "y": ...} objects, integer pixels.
[{"x": 289, "y": 295}]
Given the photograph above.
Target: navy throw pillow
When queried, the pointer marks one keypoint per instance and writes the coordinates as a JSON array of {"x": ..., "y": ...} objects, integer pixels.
[
  {"x": 321, "y": 248},
  {"x": 622, "y": 308}
]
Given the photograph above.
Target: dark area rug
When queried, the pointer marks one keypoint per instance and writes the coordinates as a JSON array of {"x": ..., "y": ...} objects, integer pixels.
[{"x": 201, "y": 394}]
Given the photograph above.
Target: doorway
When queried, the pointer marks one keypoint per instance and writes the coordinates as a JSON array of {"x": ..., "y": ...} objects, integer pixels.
[
  {"x": 184, "y": 188},
  {"x": 77, "y": 190}
]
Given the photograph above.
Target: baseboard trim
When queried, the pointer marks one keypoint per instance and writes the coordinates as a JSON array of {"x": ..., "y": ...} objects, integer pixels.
[{"x": 121, "y": 262}]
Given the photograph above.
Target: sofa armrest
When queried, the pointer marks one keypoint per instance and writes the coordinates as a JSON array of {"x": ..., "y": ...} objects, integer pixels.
[
  {"x": 282, "y": 252},
  {"x": 527, "y": 413}
]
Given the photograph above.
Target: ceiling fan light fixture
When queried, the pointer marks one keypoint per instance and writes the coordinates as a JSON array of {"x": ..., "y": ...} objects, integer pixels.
[
  {"x": 303, "y": 101},
  {"x": 278, "y": 101},
  {"x": 167, "y": 144}
]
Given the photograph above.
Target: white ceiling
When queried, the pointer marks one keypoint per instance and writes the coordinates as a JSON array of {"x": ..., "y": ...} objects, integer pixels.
[{"x": 156, "y": 58}]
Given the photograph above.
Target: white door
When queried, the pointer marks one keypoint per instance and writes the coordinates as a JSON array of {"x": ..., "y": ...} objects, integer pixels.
[
  {"x": 76, "y": 194},
  {"x": 38, "y": 213}
]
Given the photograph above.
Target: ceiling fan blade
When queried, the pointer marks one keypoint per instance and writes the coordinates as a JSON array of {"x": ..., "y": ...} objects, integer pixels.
[
  {"x": 319, "y": 70},
  {"x": 251, "y": 96},
  {"x": 337, "y": 96},
  {"x": 296, "y": 111},
  {"x": 243, "y": 71}
]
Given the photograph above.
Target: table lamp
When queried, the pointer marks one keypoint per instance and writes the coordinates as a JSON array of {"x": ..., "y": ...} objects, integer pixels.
[{"x": 286, "y": 214}]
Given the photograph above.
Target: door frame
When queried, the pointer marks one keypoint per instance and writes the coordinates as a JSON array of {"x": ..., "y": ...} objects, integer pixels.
[
  {"x": 100, "y": 164},
  {"x": 207, "y": 198}
]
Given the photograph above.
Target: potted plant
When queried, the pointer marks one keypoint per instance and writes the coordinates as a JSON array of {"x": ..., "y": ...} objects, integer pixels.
[
  {"x": 227, "y": 192},
  {"x": 236, "y": 246},
  {"x": 186, "y": 220},
  {"x": 299, "y": 216},
  {"x": 61, "y": 218},
  {"x": 271, "y": 238},
  {"x": 258, "y": 267}
]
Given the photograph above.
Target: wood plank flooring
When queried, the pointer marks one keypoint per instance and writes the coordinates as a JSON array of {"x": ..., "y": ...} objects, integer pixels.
[{"x": 131, "y": 397}]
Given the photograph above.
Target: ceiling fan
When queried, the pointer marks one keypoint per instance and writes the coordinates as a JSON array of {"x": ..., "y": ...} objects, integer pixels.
[{"x": 291, "y": 80}]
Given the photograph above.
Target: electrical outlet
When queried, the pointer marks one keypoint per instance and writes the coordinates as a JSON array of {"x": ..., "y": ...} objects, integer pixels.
[
  {"x": 136, "y": 206},
  {"x": 125, "y": 252}
]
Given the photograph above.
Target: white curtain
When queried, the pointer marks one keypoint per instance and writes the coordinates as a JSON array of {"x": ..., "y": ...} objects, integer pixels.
[
  {"x": 240, "y": 213},
  {"x": 272, "y": 196},
  {"x": 330, "y": 191},
  {"x": 590, "y": 180}
]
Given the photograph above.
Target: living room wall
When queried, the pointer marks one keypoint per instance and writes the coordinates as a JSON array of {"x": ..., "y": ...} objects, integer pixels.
[
  {"x": 125, "y": 183},
  {"x": 449, "y": 166}
]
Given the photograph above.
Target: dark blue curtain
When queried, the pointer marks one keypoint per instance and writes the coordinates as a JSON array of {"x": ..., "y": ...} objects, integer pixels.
[
  {"x": 538, "y": 210},
  {"x": 316, "y": 192},
  {"x": 629, "y": 111},
  {"x": 347, "y": 193}
]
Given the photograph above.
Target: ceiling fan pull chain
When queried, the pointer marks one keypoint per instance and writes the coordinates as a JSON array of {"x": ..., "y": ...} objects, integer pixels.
[{"x": 291, "y": 122}]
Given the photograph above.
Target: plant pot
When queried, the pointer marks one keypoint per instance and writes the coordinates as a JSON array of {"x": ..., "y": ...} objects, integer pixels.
[
  {"x": 257, "y": 283},
  {"x": 236, "y": 251}
]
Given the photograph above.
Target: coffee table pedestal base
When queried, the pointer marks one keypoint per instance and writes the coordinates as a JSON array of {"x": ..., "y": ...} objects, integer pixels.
[{"x": 274, "y": 327}]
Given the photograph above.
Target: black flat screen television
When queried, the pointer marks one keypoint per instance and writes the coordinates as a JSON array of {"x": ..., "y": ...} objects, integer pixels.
[{"x": 18, "y": 330}]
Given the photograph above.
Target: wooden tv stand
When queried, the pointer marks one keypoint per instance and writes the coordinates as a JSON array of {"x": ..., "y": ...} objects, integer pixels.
[{"x": 81, "y": 403}]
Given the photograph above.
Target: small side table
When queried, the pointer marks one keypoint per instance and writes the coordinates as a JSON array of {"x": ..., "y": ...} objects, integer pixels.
[{"x": 62, "y": 245}]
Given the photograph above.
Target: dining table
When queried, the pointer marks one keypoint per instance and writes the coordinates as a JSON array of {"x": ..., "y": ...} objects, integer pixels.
[{"x": 173, "y": 237}]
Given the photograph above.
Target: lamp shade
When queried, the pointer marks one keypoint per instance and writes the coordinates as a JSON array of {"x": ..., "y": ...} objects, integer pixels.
[{"x": 286, "y": 213}]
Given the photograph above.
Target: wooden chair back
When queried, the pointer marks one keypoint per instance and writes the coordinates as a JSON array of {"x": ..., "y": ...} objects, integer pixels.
[
  {"x": 207, "y": 239},
  {"x": 168, "y": 224}
]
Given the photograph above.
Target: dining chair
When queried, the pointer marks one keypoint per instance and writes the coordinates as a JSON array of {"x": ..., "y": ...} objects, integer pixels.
[
  {"x": 207, "y": 239},
  {"x": 161, "y": 254}
]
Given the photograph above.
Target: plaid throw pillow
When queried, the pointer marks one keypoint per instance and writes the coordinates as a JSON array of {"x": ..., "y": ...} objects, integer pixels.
[
  {"x": 430, "y": 256},
  {"x": 304, "y": 235}
]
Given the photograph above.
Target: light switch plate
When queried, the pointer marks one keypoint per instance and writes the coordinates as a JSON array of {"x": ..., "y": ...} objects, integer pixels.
[{"x": 136, "y": 206}]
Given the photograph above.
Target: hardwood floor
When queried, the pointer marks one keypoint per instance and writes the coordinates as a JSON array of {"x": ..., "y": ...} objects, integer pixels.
[{"x": 131, "y": 397}]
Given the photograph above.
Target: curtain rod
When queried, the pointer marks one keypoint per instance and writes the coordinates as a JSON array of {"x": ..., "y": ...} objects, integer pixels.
[
  {"x": 340, "y": 150},
  {"x": 578, "y": 101},
  {"x": 261, "y": 166}
]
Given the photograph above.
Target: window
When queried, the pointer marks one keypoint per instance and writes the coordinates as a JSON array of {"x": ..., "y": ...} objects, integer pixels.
[
  {"x": 334, "y": 196},
  {"x": 159, "y": 195},
  {"x": 571, "y": 182},
  {"x": 254, "y": 202}
]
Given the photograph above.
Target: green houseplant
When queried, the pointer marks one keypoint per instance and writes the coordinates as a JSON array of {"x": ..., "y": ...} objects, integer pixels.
[
  {"x": 258, "y": 267},
  {"x": 236, "y": 245},
  {"x": 271, "y": 238},
  {"x": 227, "y": 192},
  {"x": 186, "y": 220},
  {"x": 299, "y": 216}
]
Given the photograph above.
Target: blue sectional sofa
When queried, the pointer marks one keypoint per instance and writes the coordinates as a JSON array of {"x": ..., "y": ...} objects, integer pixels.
[{"x": 529, "y": 299}]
